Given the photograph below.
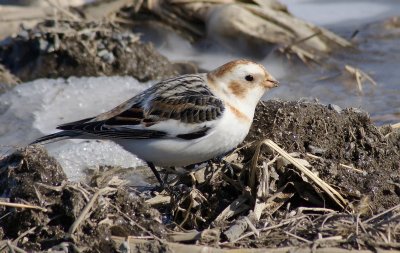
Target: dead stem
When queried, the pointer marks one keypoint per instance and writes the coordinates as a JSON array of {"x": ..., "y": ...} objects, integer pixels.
[
  {"x": 87, "y": 208},
  {"x": 381, "y": 214},
  {"x": 327, "y": 188},
  {"x": 17, "y": 205}
]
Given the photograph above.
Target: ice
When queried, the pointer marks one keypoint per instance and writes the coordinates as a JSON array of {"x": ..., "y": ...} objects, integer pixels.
[
  {"x": 76, "y": 157},
  {"x": 35, "y": 108},
  {"x": 334, "y": 12}
]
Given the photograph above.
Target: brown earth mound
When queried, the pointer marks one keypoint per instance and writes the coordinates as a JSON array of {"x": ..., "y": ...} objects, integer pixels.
[
  {"x": 7, "y": 80},
  {"x": 55, "y": 217},
  {"x": 255, "y": 198},
  {"x": 337, "y": 137},
  {"x": 65, "y": 48}
]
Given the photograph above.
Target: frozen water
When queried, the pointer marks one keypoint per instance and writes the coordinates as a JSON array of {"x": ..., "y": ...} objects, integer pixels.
[
  {"x": 334, "y": 12},
  {"x": 75, "y": 157},
  {"x": 35, "y": 108}
]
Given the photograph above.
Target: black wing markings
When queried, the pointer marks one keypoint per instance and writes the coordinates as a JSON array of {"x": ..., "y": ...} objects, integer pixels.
[{"x": 192, "y": 103}]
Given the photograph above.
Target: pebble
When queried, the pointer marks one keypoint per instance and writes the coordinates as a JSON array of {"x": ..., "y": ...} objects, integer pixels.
[
  {"x": 316, "y": 150},
  {"x": 24, "y": 35},
  {"x": 106, "y": 56},
  {"x": 334, "y": 107},
  {"x": 355, "y": 110},
  {"x": 101, "y": 53},
  {"x": 43, "y": 45}
]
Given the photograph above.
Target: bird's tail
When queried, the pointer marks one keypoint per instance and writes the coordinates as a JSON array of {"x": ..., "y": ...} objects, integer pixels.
[{"x": 56, "y": 137}]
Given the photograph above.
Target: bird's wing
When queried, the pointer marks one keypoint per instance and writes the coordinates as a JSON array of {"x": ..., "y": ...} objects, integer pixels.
[{"x": 181, "y": 107}]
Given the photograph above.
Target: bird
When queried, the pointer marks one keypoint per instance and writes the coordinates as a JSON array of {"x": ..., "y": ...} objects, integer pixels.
[{"x": 183, "y": 120}]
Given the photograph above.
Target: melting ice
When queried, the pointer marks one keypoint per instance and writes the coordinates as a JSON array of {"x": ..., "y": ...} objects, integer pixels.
[{"x": 35, "y": 108}]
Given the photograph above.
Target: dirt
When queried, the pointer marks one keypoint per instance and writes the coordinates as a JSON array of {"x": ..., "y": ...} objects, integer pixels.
[
  {"x": 32, "y": 177},
  {"x": 65, "y": 48},
  {"x": 338, "y": 137},
  {"x": 330, "y": 134},
  {"x": 7, "y": 80}
]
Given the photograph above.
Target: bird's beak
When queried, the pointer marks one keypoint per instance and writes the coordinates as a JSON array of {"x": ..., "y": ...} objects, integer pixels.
[
  {"x": 271, "y": 82},
  {"x": 274, "y": 82}
]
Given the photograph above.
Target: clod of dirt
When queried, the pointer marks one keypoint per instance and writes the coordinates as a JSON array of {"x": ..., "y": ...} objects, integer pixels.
[
  {"x": 7, "y": 80},
  {"x": 23, "y": 169},
  {"x": 64, "y": 48},
  {"x": 66, "y": 215},
  {"x": 20, "y": 176},
  {"x": 354, "y": 155}
]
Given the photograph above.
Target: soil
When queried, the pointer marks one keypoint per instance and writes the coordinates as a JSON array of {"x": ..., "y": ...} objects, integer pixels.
[
  {"x": 338, "y": 137},
  {"x": 65, "y": 48},
  {"x": 7, "y": 80},
  {"x": 32, "y": 177},
  {"x": 325, "y": 136}
]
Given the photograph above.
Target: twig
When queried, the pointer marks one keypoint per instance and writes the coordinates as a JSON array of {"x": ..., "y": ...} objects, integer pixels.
[
  {"x": 53, "y": 188},
  {"x": 395, "y": 126},
  {"x": 297, "y": 237},
  {"x": 234, "y": 208},
  {"x": 159, "y": 200},
  {"x": 251, "y": 226},
  {"x": 14, "y": 249},
  {"x": 299, "y": 41},
  {"x": 24, "y": 234},
  {"x": 381, "y": 214},
  {"x": 17, "y": 205},
  {"x": 10, "y": 247},
  {"x": 351, "y": 167},
  {"x": 314, "y": 156},
  {"x": 282, "y": 223},
  {"x": 86, "y": 210},
  {"x": 63, "y": 10},
  {"x": 238, "y": 239},
  {"x": 359, "y": 74},
  {"x": 184, "y": 237},
  {"x": 274, "y": 202},
  {"x": 315, "y": 209}
]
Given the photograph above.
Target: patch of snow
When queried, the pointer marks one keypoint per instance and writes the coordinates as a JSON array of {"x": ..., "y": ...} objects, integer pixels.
[{"x": 34, "y": 109}]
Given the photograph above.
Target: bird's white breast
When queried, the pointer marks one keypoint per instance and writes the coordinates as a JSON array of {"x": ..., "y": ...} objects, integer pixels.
[{"x": 226, "y": 134}]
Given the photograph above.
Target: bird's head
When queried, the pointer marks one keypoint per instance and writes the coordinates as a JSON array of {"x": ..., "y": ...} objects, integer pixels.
[{"x": 241, "y": 82}]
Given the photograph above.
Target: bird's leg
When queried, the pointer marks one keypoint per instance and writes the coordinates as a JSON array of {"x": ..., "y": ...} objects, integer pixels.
[
  {"x": 155, "y": 172},
  {"x": 167, "y": 172},
  {"x": 220, "y": 158}
]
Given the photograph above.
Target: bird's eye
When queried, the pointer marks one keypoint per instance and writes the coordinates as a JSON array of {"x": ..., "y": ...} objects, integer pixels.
[{"x": 249, "y": 78}]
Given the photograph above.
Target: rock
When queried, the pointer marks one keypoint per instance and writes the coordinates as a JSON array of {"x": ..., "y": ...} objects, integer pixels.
[{"x": 334, "y": 107}]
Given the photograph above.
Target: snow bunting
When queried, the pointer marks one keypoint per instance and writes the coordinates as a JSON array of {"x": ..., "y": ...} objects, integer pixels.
[{"x": 183, "y": 120}]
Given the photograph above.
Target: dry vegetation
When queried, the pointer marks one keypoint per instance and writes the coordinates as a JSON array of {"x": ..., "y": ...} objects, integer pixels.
[{"x": 327, "y": 195}]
